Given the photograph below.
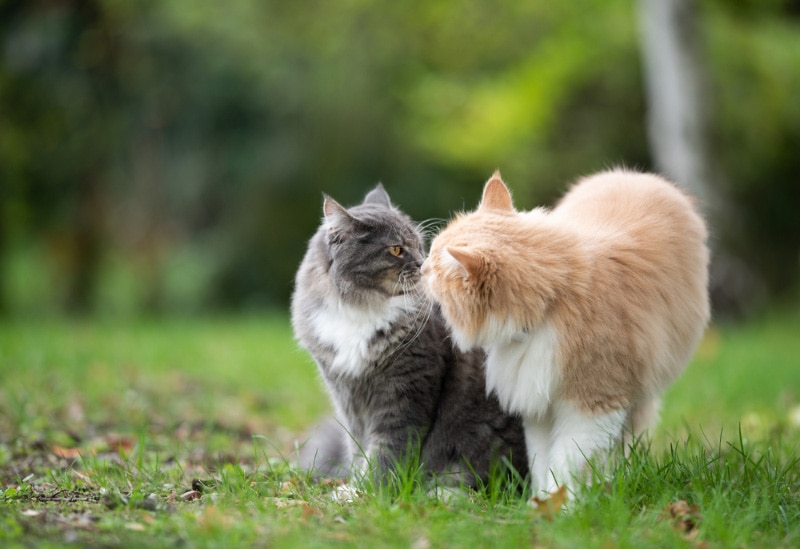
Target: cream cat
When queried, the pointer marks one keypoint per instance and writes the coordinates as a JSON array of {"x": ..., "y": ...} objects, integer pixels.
[{"x": 587, "y": 312}]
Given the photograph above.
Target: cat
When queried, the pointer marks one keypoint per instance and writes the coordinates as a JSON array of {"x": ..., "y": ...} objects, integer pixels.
[
  {"x": 400, "y": 389},
  {"x": 587, "y": 312}
]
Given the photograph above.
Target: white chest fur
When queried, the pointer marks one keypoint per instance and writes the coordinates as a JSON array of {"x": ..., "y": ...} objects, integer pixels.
[
  {"x": 349, "y": 330},
  {"x": 523, "y": 373}
]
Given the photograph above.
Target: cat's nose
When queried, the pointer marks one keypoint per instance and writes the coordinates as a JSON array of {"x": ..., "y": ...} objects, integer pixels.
[{"x": 425, "y": 268}]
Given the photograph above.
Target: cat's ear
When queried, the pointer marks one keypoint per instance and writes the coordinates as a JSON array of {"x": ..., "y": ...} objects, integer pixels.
[
  {"x": 337, "y": 217},
  {"x": 379, "y": 196},
  {"x": 464, "y": 258},
  {"x": 496, "y": 195}
]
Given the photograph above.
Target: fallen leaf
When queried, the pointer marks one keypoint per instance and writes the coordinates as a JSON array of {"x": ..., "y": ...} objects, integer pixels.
[
  {"x": 549, "y": 506},
  {"x": 331, "y": 482},
  {"x": 120, "y": 443},
  {"x": 66, "y": 453},
  {"x": 684, "y": 517},
  {"x": 309, "y": 512}
]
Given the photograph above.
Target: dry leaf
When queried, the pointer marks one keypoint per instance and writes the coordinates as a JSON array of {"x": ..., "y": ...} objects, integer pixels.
[
  {"x": 548, "y": 507},
  {"x": 684, "y": 517},
  {"x": 331, "y": 481},
  {"x": 309, "y": 512},
  {"x": 120, "y": 443},
  {"x": 66, "y": 453}
]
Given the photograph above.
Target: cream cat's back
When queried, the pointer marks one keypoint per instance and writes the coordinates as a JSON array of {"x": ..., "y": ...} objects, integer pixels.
[
  {"x": 631, "y": 203},
  {"x": 650, "y": 270}
]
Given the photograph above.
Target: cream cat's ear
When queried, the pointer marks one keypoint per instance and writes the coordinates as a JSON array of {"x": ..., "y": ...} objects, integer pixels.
[
  {"x": 337, "y": 218},
  {"x": 466, "y": 259},
  {"x": 496, "y": 195}
]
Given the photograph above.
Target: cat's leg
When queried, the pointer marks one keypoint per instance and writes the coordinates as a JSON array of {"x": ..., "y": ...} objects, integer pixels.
[
  {"x": 537, "y": 444},
  {"x": 578, "y": 435},
  {"x": 644, "y": 415}
]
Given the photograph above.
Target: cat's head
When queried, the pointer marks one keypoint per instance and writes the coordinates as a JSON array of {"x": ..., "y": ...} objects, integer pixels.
[
  {"x": 462, "y": 268},
  {"x": 375, "y": 251}
]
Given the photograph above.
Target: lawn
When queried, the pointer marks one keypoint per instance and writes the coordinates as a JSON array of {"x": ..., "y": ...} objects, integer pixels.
[{"x": 180, "y": 432}]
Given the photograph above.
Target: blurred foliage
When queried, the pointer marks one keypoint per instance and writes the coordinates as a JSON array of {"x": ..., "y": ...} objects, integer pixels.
[{"x": 170, "y": 155}]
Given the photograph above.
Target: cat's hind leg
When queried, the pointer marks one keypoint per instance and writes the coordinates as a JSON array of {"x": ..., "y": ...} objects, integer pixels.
[
  {"x": 577, "y": 436},
  {"x": 643, "y": 415}
]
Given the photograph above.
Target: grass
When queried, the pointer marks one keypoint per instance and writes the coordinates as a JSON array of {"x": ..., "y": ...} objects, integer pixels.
[{"x": 172, "y": 432}]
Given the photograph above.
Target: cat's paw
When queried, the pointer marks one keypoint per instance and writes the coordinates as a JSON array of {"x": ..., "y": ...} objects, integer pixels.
[
  {"x": 447, "y": 494},
  {"x": 345, "y": 493}
]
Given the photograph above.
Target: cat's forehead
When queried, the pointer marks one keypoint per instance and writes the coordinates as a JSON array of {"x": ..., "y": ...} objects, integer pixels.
[
  {"x": 468, "y": 226},
  {"x": 383, "y": 220}
]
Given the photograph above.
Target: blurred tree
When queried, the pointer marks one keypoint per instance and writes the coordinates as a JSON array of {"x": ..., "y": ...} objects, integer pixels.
[
  {"x": 755, "y": 121},
  {"x": 170, "y": 155},
  {"x": 674, "y": 62},
  {"x": 676, "y": 115},
  {"x": 62, "y": 117}
]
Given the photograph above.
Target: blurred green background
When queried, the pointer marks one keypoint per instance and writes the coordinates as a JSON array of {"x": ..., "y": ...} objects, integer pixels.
[{"x": 168, "y": 156}]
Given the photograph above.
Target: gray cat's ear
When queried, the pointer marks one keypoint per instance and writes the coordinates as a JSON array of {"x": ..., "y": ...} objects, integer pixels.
[
  {"x": 496, "y": 195},
  {"x": 378, "y": 195},
  {"x": 337, "y": 218}
]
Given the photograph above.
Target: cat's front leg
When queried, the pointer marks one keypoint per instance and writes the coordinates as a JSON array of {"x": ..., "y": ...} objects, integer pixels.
[
  {"x": 537, "y": 444},
  {"x": 577, "y": 436},
  {"x": 380, "y": 461}
]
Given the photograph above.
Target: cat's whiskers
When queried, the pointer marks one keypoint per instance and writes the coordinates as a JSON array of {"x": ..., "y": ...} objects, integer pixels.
[
  {"x": 416, "y": 301},
  {"x": 430, "y": 228}
]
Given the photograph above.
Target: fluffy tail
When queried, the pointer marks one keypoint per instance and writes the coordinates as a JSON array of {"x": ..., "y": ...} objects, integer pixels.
[{"x": 324, "y": 451}]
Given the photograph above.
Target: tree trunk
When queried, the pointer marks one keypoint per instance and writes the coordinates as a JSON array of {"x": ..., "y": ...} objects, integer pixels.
[
  {"x": 675, "y": 85},
  {"x": 673, "y": 74}
]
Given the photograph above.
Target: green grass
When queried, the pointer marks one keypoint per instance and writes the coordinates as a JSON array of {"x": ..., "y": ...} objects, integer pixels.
[{"x": 105, "y": 428}]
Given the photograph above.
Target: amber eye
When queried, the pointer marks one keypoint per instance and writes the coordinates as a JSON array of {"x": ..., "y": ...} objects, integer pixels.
[{"x": 396, "y": 251}]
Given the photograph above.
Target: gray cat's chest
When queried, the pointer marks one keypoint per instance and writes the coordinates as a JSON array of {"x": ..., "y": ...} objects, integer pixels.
[{"x": 358, "y": 337}]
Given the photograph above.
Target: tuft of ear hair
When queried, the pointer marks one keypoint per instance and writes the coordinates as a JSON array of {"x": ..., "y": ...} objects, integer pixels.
[
  {"x": 336, "y": 216},
  {"x": 496, "y": 195},
  {"x": 467, "y": 259},
  {"x": 378, "y": 195}
]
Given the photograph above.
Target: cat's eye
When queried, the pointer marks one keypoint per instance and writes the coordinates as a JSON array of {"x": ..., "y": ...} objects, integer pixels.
[{"x": 396, "y": 251}]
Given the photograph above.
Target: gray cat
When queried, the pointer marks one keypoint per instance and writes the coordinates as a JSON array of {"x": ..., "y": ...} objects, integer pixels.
[{"x": 400, "y": 389}]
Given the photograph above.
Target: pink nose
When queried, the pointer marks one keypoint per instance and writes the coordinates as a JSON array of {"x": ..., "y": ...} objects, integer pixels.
[{"x": 425, "y": 268}]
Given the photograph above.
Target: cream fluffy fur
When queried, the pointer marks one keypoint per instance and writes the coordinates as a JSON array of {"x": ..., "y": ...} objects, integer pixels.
[{"x": 587, "y": 311}]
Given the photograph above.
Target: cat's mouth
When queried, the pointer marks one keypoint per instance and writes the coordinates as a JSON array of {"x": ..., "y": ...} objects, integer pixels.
[{"x": 408, "y": 282}]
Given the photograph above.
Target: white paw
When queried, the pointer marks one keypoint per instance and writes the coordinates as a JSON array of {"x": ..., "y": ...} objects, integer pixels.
[
  {"x": 446, "y": 494},
  {"x": 345, "y": 493}
]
